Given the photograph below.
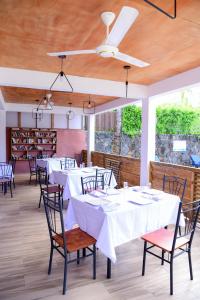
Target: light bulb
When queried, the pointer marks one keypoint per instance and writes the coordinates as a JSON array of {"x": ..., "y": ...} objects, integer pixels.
[
  {"x": 61, "y": 77},
  {"x": 89, "y": 105},
  {"x": 49, "y": 95}
]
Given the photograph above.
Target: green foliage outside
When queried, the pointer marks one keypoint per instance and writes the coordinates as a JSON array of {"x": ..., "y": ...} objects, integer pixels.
[
  {"x": 131, "y": 120},
  {"x": 170, "y": 120}
]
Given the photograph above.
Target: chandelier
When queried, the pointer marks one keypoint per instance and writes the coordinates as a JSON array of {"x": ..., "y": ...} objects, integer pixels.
[
  {"x": 88, "y": 106},
  {"x": 47, "y": 102},
  {"x": 70, "y": 113}
]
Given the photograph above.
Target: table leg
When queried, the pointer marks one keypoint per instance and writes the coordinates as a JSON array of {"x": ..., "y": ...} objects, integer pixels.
[{"x": 108, "y": 268}]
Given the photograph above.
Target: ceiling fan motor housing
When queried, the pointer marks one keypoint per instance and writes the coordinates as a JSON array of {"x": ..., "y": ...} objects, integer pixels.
[{"x": 107, "y": 50}]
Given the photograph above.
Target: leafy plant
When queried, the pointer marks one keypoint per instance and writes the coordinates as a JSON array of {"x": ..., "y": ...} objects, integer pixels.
[
  {"x": 131, "y": 120},
  {"x": 170, "y": 120}
]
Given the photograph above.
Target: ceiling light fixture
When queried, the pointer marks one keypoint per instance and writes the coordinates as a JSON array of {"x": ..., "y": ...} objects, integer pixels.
[
  {"x": 61, "y": 75},
  {"x": 70, "y": 113},
  {"x": 89, "y": 107},
  {"x": 126, "y": 68},
  {"x": 172, "y": 16}
]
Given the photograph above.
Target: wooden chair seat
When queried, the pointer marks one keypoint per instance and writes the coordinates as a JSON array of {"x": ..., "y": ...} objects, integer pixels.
[
  {"x": 76, "y": 240},
  {"x": 163, "y": 239},
  {"x": 52, "y": 189}
]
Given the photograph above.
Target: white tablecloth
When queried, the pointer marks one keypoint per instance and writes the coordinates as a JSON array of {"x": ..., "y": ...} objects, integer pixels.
[
  {"x": 52, "y": 164},
  {"x": 71, "y": 180},
  {"x": 126, "y": 222}
]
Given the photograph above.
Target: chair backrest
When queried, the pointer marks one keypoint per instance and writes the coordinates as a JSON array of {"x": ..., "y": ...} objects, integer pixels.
[
  {"x": 67, "y": 163},
  {"x": 6, "y": 171},
  {"x": 113, "y": 165},
  {"x": 32, "y": 164},
  {"x": 54, "y": 216},
  {"x": 91, "y": 183},
  {"x": 13, "y": 163},
  {"x": 106, "y": 175},
  {"x": 174, "y": 185},
  {"x": 42, "y": 177},
  {"x": 186, "y": 223}
]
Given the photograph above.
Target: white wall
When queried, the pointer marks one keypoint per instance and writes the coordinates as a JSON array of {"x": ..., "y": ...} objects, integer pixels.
[
  {"x": 76, "y": 122},
  {"x": 11, "y": 119},
  {"x": 60, "y": 121}
]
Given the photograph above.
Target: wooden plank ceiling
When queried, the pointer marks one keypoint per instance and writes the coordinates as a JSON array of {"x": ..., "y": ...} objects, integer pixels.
[
  {"x": 30, "y": 29},
  {"x": 31, "y": 96}
]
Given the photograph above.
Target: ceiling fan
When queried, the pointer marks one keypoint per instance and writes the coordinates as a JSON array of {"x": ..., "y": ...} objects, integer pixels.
[{"x": 109, "y": 47}]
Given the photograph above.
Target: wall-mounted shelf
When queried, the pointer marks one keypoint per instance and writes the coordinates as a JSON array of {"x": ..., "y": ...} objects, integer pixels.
[{"x": 36, "y": 141}]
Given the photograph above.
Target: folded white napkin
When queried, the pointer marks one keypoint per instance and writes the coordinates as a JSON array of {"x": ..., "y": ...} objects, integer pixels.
[
  {"x": 111, "y": 192},
  {"x": 96, "y": 193}
]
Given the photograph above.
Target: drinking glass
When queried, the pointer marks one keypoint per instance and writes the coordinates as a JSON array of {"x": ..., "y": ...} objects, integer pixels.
[
  {"x": 83, "y": 165},
  {"x": 106, "y": 187},
  {"x": 90, "y": 164},
  {"x": 125, "y": 184}
]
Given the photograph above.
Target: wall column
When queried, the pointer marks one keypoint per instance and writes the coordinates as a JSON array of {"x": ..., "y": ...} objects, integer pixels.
[
  {"x": 147, "y": 138},
  {"x": 2, "y": 135},
  {"x": 91, "y": 136}
]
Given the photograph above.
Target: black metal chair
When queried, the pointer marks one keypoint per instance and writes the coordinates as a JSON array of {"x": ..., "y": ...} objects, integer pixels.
[
  {"x": 66, "y": 242},
  {"x": 91, "y": 183},
  {"x": 174, "y": 242},
  {"x": 13, "y": 163},
  {"x": 6, "y": 177},
  {"x": 55, "y": 190},
  {"x": 67, "y": 163},
  {"x": 32, "y": 169},
  {"x": 174, "y": 185},
  {"x": 113, "y": 165},
  {"x": 107, "y": 175}
]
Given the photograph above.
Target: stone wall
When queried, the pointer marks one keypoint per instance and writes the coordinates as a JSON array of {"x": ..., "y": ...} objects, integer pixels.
[{"x": 106, "y": 141}]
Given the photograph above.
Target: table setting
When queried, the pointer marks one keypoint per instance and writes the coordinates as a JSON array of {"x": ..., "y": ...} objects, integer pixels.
[{"x": 114, "y": 219}]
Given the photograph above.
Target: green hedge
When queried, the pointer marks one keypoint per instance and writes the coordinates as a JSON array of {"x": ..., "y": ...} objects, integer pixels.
[{"x": 170, "y": 120}]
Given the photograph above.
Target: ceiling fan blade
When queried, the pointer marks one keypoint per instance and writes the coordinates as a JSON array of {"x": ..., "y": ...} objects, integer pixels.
[
  {"x": 73, "y": 52},
  {"x": 131, "y": 60},
  {"x": 124, "y": 21}
]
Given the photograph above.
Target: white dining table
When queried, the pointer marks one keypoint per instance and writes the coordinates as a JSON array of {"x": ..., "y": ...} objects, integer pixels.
[
  {"x": 51, "y": 164},
  {"x": 122, "y": 217},
  {"x": 71, "y": 180}
]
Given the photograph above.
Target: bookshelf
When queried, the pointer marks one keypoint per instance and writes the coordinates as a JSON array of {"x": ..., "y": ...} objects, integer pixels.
[{"x": 27, "y": 143}]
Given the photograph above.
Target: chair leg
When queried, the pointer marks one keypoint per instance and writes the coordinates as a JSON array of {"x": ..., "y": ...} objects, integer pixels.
[
  {"x": 40, "y": 199},
  {"x": 78, "y": 257},
  {"x": 65, "y": 275},
  {"x": 144, "y": 258},
  {"x": 94, "y": 261},
  {"x": 163, "y": 256},
  {"x": 84, "y": 252},
  {"x": 190, "y": 264},
  {"x": 5, "y": 187},
  {"x": 30, "y": 179},
  {"x": 50, "y": 260},
  {"x": 11, "y": 189},
  {"x": 171, "y": 276},
  {"x": 108, "y": 268},
  {"x": 14, "y": 183}
]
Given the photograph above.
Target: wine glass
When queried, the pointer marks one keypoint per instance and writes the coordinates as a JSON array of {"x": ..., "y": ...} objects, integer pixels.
[{"x": 125, "y": 184}]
